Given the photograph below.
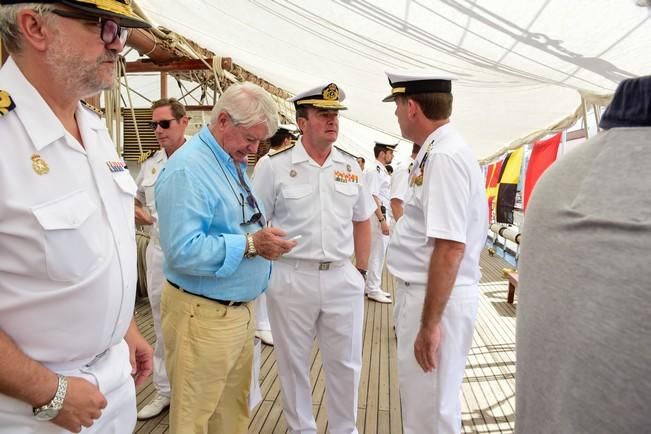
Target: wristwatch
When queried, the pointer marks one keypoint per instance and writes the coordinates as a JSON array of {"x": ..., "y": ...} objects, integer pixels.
[
  {"x": 50, "y": 410},
  {"x": 250, "y": 247}
]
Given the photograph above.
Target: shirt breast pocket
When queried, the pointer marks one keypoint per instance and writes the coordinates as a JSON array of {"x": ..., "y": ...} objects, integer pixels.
[
  {"x": 346, "y": 198},
  {"x": 298, "y": 201},
  {"x": 148, "y": 185},
  {"x": 127, "y": 188},
  {"x": 73, "y": 243}
]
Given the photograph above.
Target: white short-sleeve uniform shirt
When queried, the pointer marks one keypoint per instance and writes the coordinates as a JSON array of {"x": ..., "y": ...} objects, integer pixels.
[
  {"x": 317, "y": 202},
  {"x": 446, "y": 200},
  {"x": 400, "y": 182},
  {"x": 68, "y": 255},
  {"x": 379, "y": 182},
  {"x": 146, "y": 181}
]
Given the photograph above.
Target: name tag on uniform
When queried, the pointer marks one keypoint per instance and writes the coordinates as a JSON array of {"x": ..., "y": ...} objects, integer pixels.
[
  {"x": 116, "y": 166},
  {"x": 346, "y": 177}
]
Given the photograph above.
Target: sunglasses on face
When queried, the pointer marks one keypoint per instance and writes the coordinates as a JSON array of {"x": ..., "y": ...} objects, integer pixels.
[
  {"x": 164, "y": 124},
  {"x": 110, "y": 30}
]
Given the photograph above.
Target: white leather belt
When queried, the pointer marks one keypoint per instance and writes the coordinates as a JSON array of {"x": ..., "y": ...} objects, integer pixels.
[{"x": 302, "y": 264}]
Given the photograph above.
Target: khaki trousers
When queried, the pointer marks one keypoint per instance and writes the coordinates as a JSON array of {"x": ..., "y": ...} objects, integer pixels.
[{"x": 208, "y": 356}]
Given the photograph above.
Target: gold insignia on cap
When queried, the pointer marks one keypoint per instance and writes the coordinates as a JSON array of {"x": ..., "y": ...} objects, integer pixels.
[
  {"x": 292, "y": 173},
  {"x": 39, "y": 165},
  {"x": 6, "y": 103},
  {"x": 331, "y": 92}
]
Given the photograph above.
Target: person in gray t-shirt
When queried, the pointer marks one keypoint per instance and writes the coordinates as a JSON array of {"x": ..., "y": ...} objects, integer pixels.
[{"x": 583, "y": 328}]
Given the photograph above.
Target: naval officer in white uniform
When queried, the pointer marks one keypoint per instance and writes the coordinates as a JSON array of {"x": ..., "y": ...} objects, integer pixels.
[
  {"x": 68, "y": 255},
  {"x": 168, "y": 121},
  {"x": 378, "y": 180},
  {"x": 315, "y": 191},
  {"x": 434, "y": 254}
]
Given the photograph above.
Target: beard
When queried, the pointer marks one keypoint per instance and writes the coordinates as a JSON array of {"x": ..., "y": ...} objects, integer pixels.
[{"x": 80, "y": 77}]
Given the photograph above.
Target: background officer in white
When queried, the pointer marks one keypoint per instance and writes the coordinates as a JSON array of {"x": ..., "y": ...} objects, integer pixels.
[
  {"x": 378, "y": 180},
  {"x": 168, "y": 121},
  {"x": 434, "y": 254},
  {"x": 315, "y": 191},
  {"x": 68, "y": 255}
]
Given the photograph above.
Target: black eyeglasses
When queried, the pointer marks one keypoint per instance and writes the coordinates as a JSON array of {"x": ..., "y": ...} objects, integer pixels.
[
  {"x": 164, "y": 124},
  {"x": 111, "y": 30}
]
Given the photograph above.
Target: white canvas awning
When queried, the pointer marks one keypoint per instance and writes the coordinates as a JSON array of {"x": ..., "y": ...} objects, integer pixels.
[{"x": 519, "y": 63}]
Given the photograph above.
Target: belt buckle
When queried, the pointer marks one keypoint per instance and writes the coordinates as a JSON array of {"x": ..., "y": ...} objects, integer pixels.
[
  {"x": 97, "y": 357},
  {"x": 324, "y": 266}
]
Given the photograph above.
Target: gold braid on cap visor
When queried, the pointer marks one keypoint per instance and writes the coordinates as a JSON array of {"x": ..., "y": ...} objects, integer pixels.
[
  {"x": 116, "y": 6},
  {"x": 320, "y": 103}
]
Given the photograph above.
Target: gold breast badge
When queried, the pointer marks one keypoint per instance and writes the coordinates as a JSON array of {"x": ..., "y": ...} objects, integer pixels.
[{"x": 39, "y": 165}]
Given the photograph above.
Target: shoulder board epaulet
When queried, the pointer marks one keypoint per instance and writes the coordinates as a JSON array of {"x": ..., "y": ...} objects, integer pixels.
[
  {"x": 92, "y": 108},
  {"x": 279, "y": 151},
  {"x": 145, "y": 155},
  {"x": 345, "y": 152},
  {"x": 6, "y": 103}
]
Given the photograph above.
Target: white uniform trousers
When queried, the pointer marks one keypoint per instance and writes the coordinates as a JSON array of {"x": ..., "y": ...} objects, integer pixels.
[
  {"x": 430, "y": 401},
  {"x": 305, "y": 302},
  {"x": 398, "y": 303},
  {"x": 155, "y": 281},
  {"x": 111, "y": 373},
  {"x": 379, "y": 243},
  {"x": 261, "y": 313}
]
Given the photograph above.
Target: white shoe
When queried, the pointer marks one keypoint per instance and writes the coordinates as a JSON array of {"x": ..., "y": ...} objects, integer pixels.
[
  {"x": 379, "y": 291},
  {"x": 379, "y": 298},
  {"x": 265, "y": 336},
  {"x": 155, "y": 407}
]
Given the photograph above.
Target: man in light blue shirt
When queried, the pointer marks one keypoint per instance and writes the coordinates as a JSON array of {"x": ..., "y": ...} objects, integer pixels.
[{"x": 217, "y": 260}]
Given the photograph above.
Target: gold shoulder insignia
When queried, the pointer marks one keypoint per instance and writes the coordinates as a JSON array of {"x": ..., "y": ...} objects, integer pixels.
[
  {"x": 345, "y": 152},
  {"x": 280, "y": 151},
  {"x": 144, "y": 156},
  {"x": 6, "y": 103},
  {"x": 92, "y": 108}
]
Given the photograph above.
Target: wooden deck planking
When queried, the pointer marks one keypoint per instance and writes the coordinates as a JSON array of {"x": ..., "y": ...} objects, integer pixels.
[{"x": 488, "y": 390}]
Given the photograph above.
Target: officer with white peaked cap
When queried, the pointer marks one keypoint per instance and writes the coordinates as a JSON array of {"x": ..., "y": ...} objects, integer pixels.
[
  {"x": 68, "y": 255},
  {"x": 378, "y": 180},
  {"x": 434, "y": 255},
  {"x": 315, "y": 191}
]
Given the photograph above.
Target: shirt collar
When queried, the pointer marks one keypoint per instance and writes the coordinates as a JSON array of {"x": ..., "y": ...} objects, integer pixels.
[
  {"x": 299, "y": 154},
  {"x": 436, "y": 134},
  {"x": 219, "y": 152},
  {"x": 41, "y": 125}
]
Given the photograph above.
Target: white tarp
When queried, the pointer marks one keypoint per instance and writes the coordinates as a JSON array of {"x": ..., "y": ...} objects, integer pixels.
[{"x": 519, "y": 63}]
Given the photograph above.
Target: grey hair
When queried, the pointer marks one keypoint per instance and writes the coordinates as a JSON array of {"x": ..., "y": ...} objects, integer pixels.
[
  {"x": 9, "y": 31},
  {"x": 248, "y": 105}
]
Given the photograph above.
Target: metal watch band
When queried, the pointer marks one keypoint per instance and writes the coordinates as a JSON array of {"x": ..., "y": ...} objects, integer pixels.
[
  {"x": 57, "y": 402},
  {"x": 250, "y": 247}
]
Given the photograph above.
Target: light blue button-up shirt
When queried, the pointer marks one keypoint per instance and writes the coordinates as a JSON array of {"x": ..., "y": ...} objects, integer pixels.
[{"x": 200, "y": 204}]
